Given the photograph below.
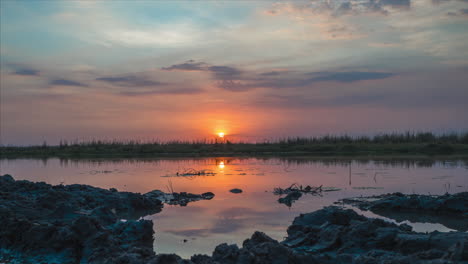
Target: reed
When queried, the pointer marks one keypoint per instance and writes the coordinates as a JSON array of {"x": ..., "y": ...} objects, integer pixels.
[{"x": 381, "y": 144}]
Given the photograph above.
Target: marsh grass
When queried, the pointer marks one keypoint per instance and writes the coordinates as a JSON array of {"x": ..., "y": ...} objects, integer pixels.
[{"x": 382, "y": 144}]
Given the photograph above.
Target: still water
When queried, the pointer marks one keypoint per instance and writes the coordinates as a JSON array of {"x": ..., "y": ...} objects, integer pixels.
[{"x": 230, "y": 218}]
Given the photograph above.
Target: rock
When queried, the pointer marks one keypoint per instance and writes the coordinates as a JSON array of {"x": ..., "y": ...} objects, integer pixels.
[
  {"x": 225, "y": 253},
  {"x": 181, "y": 199},
  {"x": 207, "y": 195},
  {"x": 449, "y": 210},
  {"x": 236, "y": 190},
  {"x": 7, "y": 178},
  {"x": 202, "y": 259},
  {"x": 82, "y": 224},
  {"x": 289, "y": 199},
  {"x": 266, "y": 250},
  {"x": 77, "y": 223},
  {"x": 167, "y": 259},
  {"x": 334, "y": 233}
]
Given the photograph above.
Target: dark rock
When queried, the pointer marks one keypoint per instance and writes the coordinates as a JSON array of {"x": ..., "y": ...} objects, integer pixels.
[
  {"x": 76, "y": 223},
  {"x": 82, "y": 224},
  {"x": 289, "y": 199},
  {"x": 336, "y": 233},
  {"x": 236, "y": 190},
  {"x": 263, "y": 249},
  {"x": 225, "y": 253},
  {"x": 202, "y": 259},
  {"x": 449, "y": 210},
  {"x": 207, "y": 195},
  {"x": 167, "y": 259}
]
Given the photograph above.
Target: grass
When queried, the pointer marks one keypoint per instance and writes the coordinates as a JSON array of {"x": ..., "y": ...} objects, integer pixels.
[{"x": 383, "y": 144}]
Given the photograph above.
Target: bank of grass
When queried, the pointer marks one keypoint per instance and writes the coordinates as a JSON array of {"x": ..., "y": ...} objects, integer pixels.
[{"x": 383, "y": 144}]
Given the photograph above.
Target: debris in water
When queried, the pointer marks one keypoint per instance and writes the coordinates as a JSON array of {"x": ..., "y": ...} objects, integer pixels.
[
  {"x": 236, "y": 190},
  {"x": 294, "y": 192},
  {"x": 192, "y": 173}
]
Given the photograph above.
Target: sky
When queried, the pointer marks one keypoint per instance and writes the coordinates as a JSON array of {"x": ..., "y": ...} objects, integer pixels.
[{"x": 81, "y": 70}]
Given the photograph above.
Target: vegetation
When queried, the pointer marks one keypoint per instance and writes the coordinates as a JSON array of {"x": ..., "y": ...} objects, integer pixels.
[{"x": 384, "y": 144}]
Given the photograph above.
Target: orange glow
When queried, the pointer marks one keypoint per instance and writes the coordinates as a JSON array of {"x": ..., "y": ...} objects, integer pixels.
[
  {"x": 221, "y": 165},
  {"x": 221, "y": 134}
]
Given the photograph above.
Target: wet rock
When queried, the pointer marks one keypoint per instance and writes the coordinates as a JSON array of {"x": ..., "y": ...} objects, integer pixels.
[
  {"x": 226, "y": 253},
  {"x": 236, "y": 190},
  {"x": 202, "y": 259},
  {"x": 289, "y": 199},
  {"x": 82, "y": 224},
  {"x": 207, "y": 195},
  {"x": 335, "y": 233},
  {"x": 448, "y": 203},
  {"x": 449, "y": 210},
  {"x": 181, "y": 199},
  {"x": 168, "y": 259},
  {"x": 77, "y": 223},
  {"x": 263, "y": 249}
]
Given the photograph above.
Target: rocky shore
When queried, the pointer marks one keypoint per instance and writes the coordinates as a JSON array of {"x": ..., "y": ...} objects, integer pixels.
[
  {"x": 450, "y": 210},
  {"x": 41, "y": 223}
]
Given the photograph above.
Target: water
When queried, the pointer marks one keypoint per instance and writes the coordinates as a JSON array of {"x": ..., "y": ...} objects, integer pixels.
[{"x": 231, "y": 218}]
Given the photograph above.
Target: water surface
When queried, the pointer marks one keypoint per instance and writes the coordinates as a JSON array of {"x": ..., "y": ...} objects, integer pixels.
[{"x": 231, "y": 218}]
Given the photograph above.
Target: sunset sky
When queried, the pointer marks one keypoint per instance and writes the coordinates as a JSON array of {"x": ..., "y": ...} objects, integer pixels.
[{"x": 253, "y": 70}]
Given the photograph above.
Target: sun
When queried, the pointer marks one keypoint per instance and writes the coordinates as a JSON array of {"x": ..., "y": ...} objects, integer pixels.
[
  {"x": 221, "y": 134},
  {"x": 221, "y": 165}
]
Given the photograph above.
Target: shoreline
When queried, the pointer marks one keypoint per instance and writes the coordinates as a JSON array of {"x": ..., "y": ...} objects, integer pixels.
[
  {"x": 425, "y": 144},
  {"x": 76, "y": 223},
  {"x": 356, "y": 156}
]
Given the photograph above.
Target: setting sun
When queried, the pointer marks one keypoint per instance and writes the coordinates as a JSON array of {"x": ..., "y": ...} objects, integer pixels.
[
  {"x": 221, "y": 134},
  {"x": 221, "y": 165}
]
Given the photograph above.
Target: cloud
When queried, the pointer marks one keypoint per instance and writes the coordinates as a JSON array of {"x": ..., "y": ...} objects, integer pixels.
[
  {"x": 339, "y": 8},
  {"x": 353, "y": 76},
  {"x": 190, "y": 65},
  {"x": 130, "y": 80},
  {"x": 344, "y": 8},
  {"x": 235, "y": 86},
  {"x": 27, "y": 72},
  {"x": 173, "y": 91},
  {"x": 194, "y": 232},
  {"x": 396, "y": 3},
  {"x": 227, "y": 77},
  {"x": 461, "y": 12},
  {"x": 272, "y": 73},
  {"x": 416, "y": 98},
  {"x": 438, "y": 2},
  {"x": 146, "y": 86},
  {"x": 219, "y": 72},
  {"x": 238, "y": 80},
  {"x": 374, "y": 7},
  {"x": 295, "y": 101},
  {"x": 225, "y": 72},
  {"x": 65, "y": 82},
  {"x": 419, "y": 90},
  {"x": 273, "y": 81}
]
